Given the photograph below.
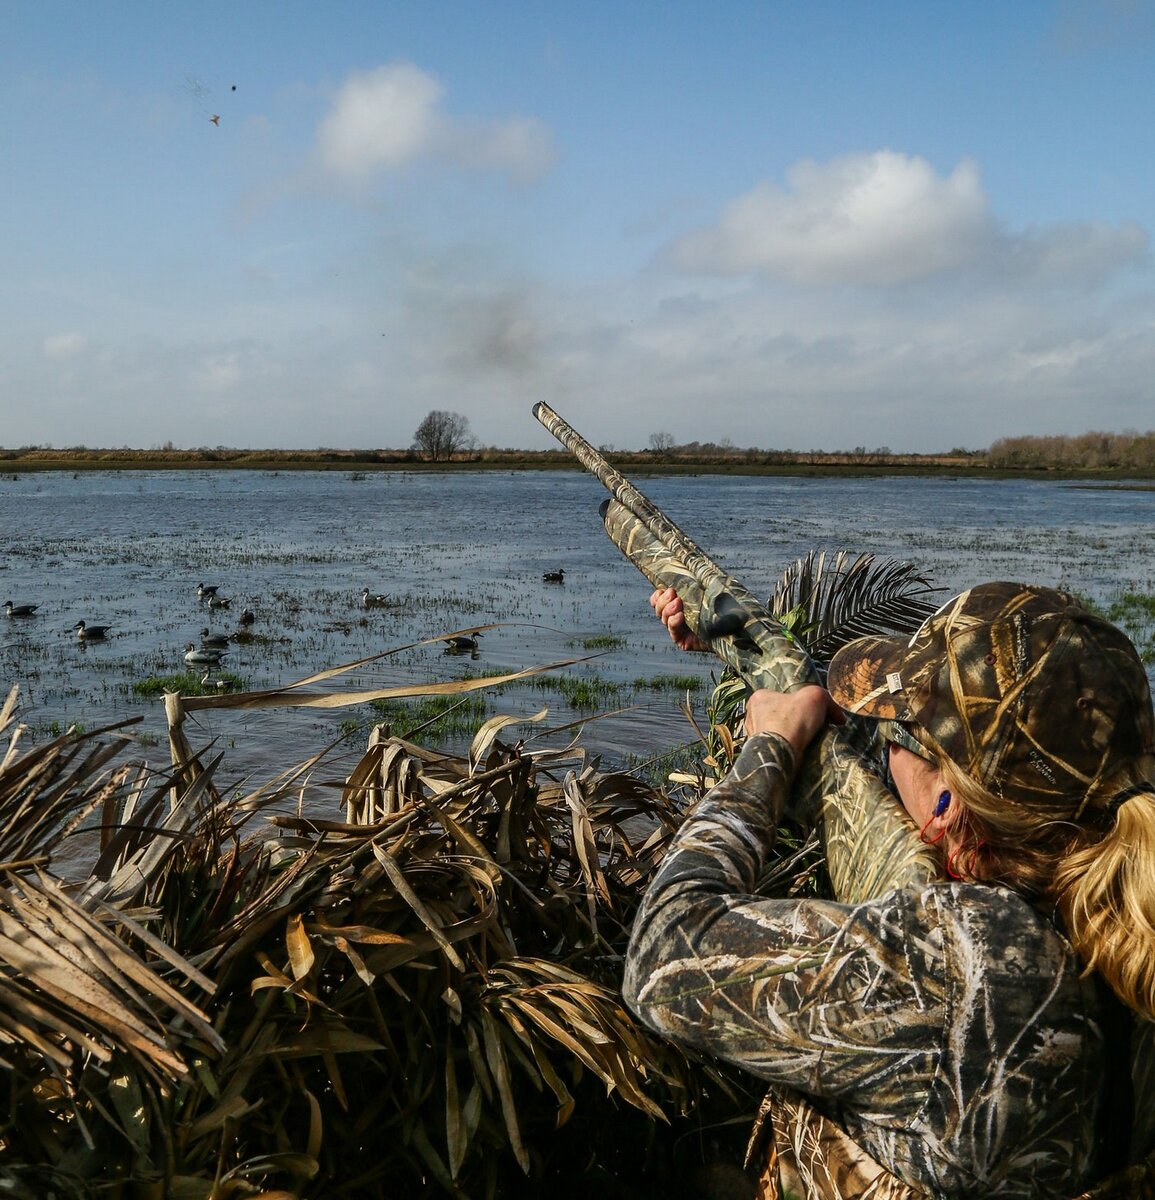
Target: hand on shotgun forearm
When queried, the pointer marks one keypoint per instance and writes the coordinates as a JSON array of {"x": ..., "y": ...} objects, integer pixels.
[{"x": 668, "y": 605}]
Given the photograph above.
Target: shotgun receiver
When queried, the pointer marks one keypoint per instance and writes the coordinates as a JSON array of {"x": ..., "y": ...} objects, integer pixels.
[{"x": 871, "y": 845}]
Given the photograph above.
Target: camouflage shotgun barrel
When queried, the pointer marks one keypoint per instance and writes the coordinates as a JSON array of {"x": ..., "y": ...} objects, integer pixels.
[{"x": 870, "y": 843}]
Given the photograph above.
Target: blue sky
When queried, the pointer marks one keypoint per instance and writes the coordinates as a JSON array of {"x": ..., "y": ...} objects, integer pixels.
[{"x": 794, "y": 225}]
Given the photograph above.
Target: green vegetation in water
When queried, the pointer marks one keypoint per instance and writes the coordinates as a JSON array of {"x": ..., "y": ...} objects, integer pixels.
[
  {"x": 668, "y": 683},
  {"x": 603, "y": 641},
  {"x": 1134, "y": 613},
  {"x": 434, "y": 717},
  {"x": 188, "y": 683}
]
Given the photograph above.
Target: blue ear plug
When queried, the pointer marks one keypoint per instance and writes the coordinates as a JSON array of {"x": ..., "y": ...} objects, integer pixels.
[{"x": 943, "y": 804}]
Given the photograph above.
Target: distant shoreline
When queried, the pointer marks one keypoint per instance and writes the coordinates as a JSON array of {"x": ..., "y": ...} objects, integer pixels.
[{"x": 17, "y": 462}]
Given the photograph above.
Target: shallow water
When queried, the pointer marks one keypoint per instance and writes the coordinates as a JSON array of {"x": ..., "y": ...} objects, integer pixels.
[{"x": 453, "y": 551}]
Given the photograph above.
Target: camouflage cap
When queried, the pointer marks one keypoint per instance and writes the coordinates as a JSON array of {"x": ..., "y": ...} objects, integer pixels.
[{"x": 1039, "y": 700}]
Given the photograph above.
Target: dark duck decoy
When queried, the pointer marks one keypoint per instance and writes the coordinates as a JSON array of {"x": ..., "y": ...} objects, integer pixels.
[
  {"x": 557, "y": 576},
  {"x": 216, "y": 601},
  {"x": 204, "y": 592},
  {"x": 248, "y": 616},
  {"x": 20, "y": 610},
  {"x": 90, "y": 633},
  {"x": 368, "y": 600},
  {"x": 214, "y": 641},
  {"x": 461, "y": 643}
]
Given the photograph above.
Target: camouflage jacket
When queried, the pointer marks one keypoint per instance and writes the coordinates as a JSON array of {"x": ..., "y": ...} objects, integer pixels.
[{"x": 945, "y": 1028}]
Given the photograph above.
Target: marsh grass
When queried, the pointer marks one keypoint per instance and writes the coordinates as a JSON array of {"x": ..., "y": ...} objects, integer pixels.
[{"x": 418, "y": 995}]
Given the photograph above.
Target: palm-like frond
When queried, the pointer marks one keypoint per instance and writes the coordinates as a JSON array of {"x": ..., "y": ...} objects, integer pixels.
[{"x": 827, "y": 602}]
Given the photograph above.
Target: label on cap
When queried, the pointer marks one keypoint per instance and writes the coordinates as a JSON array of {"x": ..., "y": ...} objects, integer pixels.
[{"x": 894, "y": 682}]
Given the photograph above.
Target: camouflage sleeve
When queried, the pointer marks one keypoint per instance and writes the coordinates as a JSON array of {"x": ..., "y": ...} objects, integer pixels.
[{"x": 809, "y": 993}]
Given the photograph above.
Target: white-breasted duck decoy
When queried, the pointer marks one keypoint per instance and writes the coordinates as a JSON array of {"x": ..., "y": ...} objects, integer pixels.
[
  {"x": 557, "y": 576},
  {"x": 90, "y": 633},
  {"x": 204, "y": 591},
  {"x": 369, "y": 600},
  {"x": 214, "y": 641},
  {"x": 461, "y": 642},
  {"x": 201, "y": 658},
  {"x": 248, "y": 616},
  {"x": 20, "y": 610},
  {"x": 216, "y": 601}
]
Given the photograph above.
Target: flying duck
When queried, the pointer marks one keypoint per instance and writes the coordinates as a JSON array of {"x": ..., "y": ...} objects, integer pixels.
[{"x": 19, "y": 610}]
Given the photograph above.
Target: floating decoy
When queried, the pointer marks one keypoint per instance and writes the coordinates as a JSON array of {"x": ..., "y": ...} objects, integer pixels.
[
  {"x": 368, "y": 600},
  {"x": 216, "y": 601},
  {"x": 20, "y": 610},
  {"x": 203, "y": 591},
  {"x": 214, "y": 641},
  {"x": 220, "y": 684},
  {"x": 461, "y": 642},
  {"x": 90, "y": 633},
  {"x": 248, "y": 616},
  {"x": 201, "y": 658},
  {"x": 557, "y": 576}
]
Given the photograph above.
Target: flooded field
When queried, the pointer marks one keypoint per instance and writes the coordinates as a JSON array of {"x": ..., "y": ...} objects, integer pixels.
[{"x": 447, "y": 552}]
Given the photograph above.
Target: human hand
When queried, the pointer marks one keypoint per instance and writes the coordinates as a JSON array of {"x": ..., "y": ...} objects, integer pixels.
[
  {"x": 796, "y": 716},
  {"x": 668, "y": 605}
]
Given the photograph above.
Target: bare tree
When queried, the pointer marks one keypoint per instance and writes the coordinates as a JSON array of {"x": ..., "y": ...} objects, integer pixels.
[
  {"x": 661, "y": 442},
  {"x": 442, "y": 434}
]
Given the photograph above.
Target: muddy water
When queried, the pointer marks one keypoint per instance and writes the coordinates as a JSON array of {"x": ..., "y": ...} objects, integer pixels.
[{"x": 451, "y": 551}]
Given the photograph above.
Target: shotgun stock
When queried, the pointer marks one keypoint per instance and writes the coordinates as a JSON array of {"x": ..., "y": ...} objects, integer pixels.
[{"x": 871, "y": 845}]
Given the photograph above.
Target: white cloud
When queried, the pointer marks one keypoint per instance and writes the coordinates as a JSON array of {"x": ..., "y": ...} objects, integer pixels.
[
  {"x": 390, "y": 118},
  {"x": 871, "y": 219},
  {"x": 64, "y": 345},
  {"x": 887, "y": 220}
]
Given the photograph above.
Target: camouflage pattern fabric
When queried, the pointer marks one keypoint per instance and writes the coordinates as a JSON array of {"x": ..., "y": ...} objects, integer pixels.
[
  {"x": 1027, "y": 691},
  {"x": 945, "y": 1028},
  {"x": 803, "y": 1155}
]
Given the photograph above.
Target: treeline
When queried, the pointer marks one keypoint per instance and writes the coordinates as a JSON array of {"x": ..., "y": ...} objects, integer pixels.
[{"x": 1127, "y": 451}]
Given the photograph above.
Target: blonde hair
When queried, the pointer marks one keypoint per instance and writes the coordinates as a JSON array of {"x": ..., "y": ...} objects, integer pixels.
[{"x": 1097, "y": 874}]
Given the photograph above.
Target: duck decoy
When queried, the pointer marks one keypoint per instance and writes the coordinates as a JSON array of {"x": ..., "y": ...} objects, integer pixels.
[
  {"x": 20, "y": 610},
  {"x": 201, "y": 658},
  {"x": 248, "y": 616},
  {"x": 369, "y": 600},
  {"x": 90, "y": 633},
  {"x": 214, "y": 641},
  {"x": 204, "y": 591},
  {"x": 461, "y": 642},
  {"x": 222, "y": 685},
  {"x": 557, "y": 576},
  {"x": 216, "y": 601}
]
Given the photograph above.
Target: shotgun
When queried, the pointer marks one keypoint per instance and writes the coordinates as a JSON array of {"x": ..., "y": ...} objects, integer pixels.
[{"x": 870, "y": 843}]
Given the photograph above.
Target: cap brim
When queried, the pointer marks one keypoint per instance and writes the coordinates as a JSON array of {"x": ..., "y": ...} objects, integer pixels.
[{"x": 865, "y": 678}]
